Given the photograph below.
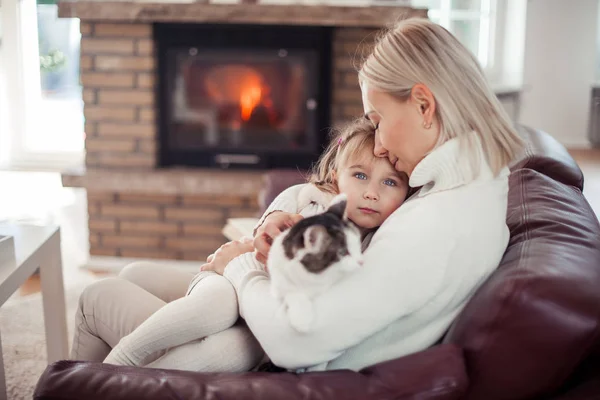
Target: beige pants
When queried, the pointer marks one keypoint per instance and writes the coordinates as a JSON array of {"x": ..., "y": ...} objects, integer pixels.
[{"x": 112, "y": 308}]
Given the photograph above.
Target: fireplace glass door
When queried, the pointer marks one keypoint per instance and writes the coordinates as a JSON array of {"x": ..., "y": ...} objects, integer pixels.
[
  {"x": 234, "y": 100},
  {"x": 243, "y": 95}
]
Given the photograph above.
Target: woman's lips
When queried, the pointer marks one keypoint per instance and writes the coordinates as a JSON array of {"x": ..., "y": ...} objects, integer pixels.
[{"x": 367, "y": 210}]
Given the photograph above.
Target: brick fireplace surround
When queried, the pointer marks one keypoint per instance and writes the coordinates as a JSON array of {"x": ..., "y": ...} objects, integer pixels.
[{"x": 137, "y": 210}]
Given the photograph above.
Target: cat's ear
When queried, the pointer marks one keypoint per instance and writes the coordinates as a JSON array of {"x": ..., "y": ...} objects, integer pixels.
[
  {"x": 314, "y": 237},
  {"x": 338, "y": 206}
]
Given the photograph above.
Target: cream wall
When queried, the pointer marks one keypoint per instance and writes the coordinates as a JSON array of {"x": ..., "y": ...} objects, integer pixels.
[{"x": 559, "y": 67}]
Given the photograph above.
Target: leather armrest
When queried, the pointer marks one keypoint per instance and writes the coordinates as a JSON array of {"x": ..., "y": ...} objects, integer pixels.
[
  {"x": 275, "y": 182},
  {"x": 437, "y": 373}
]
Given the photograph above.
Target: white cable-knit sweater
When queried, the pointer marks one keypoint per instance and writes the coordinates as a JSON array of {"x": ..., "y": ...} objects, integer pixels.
[{"x": 421, "y": 267}]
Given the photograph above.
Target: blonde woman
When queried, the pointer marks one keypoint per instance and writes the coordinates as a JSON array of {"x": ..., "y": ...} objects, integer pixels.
[{"x": 438, "y": 121}]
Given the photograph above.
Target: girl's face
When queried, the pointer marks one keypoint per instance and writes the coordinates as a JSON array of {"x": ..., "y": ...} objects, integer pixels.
[
  {"x": 405, "y": 130},
  {"x": 374, "y": 189}
]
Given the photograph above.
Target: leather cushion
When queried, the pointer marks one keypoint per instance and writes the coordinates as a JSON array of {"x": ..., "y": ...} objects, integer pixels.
[
  {"x": 276, "y": 181},
  {"x": 530, "y": 325},
  {"x": 437, "y": 373},
  {"x": 545, "y": 154}
]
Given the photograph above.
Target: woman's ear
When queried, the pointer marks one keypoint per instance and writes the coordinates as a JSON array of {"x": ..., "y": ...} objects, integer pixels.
[{"x": 424, "y": 100}]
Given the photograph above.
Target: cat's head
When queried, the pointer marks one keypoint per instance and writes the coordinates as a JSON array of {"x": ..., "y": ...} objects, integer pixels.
[{"x": 322, "y": 241}]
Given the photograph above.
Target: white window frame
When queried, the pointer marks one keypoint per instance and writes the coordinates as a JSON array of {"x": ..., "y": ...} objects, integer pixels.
[
  {"x": 489, "y": 15},
  {"x": 19, "y": 56}
]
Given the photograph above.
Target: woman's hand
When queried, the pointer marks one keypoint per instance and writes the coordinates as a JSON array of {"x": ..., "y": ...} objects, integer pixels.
[
  {"x": 272, "y": 226},
  {"x": 219, "y": 259}
]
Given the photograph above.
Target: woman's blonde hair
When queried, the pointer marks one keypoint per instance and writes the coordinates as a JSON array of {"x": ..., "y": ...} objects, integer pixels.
[
  {"x": 417, "y": 50},
  {"x": 346, "y": 143}
]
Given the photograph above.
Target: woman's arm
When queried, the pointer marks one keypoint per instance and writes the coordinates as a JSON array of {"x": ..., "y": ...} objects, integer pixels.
[{"x": 401, "y": 273}]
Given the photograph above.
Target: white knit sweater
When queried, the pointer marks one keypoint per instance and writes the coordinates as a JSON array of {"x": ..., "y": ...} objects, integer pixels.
[{"x": 421, "y": 267}]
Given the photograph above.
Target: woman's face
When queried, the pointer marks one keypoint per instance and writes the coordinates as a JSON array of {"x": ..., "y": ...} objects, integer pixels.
[{"x": 401, "y": 134}]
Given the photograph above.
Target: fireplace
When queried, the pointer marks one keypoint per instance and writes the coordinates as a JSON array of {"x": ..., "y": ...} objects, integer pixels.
[
  {"x": 130, "y": 71},
  {"x": 236, "y": 96}
]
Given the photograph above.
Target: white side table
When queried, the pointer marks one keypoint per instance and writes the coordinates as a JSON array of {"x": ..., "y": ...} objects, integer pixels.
[{"x": 37, "y": 247}]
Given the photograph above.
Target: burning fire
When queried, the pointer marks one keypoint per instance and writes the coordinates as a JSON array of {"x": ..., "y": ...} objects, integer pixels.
[
  {"x": 253, "y": 93},
  {"x": 242, "y": 85},
  {"x": 249, "y": 99}
]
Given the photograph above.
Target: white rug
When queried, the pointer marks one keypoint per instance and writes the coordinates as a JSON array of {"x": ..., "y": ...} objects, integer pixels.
[{"x": 23, "y": 339}]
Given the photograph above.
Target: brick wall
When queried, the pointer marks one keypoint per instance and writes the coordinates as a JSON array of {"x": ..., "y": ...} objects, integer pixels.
[
  {"x": 349, "y": 44},
  {"x": 161, "y": 226},
  {"x": 117, "y": 72}
]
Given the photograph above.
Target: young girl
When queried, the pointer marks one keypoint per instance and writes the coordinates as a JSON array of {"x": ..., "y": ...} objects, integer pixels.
[{"x": 374, "y": 189}]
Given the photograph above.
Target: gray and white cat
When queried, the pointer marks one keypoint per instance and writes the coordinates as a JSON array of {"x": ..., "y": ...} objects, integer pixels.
[{"x": 310, "y": 257}]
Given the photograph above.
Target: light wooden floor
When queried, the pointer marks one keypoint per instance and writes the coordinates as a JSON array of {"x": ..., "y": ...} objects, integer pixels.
[{"x": 588, "y": 160}]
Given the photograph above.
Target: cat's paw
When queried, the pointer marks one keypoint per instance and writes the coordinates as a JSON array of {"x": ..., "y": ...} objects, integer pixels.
[{"x": 300, "y": 312}]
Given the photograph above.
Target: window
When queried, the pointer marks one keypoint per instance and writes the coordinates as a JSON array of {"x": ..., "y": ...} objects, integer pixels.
[
  {"x": 60, "y": 111},
  {"x": 473, "y": 22},
  {"x": 44, "y": 124}
]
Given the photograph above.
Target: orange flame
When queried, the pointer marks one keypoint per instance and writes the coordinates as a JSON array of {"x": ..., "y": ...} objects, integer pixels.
[
  {"x": 250, "y": 97},
  {"x": 243, "y": 85}
]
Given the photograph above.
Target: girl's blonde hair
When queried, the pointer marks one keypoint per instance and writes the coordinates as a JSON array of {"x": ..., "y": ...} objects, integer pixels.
[
  {"x": 346, "y": 143},
  {"x": 417, "y": 50}
]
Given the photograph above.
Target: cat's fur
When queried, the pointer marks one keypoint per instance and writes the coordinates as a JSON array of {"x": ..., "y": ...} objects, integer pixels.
[{"x": 310, "y": 257}]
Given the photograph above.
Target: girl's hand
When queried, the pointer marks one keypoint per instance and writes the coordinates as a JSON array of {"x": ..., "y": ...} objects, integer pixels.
[
  {"x": 218, "y": 261},
  {"x": 273, "y": 225}
]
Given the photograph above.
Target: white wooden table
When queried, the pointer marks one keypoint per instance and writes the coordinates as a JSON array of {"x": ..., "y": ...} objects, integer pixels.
[{"x": 37, "y": 247}]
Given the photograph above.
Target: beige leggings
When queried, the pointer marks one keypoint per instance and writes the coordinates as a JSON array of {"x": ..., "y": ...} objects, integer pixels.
[{"x": 111, "y": 309}]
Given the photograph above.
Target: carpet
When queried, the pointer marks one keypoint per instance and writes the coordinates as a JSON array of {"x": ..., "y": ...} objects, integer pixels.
[{"x": 23, "y": 339}]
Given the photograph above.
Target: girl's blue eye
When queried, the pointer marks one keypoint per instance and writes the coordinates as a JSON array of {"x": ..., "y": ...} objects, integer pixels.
[
  {"x": 360, "y": 175},
  {"x": 389, "y": 182}
]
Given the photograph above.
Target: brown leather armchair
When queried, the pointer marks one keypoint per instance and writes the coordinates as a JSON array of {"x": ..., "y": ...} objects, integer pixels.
[{"x": 531, "y": 331}]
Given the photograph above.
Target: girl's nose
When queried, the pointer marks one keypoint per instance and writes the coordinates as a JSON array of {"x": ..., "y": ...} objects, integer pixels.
[{"x": 371, "y": 195}]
